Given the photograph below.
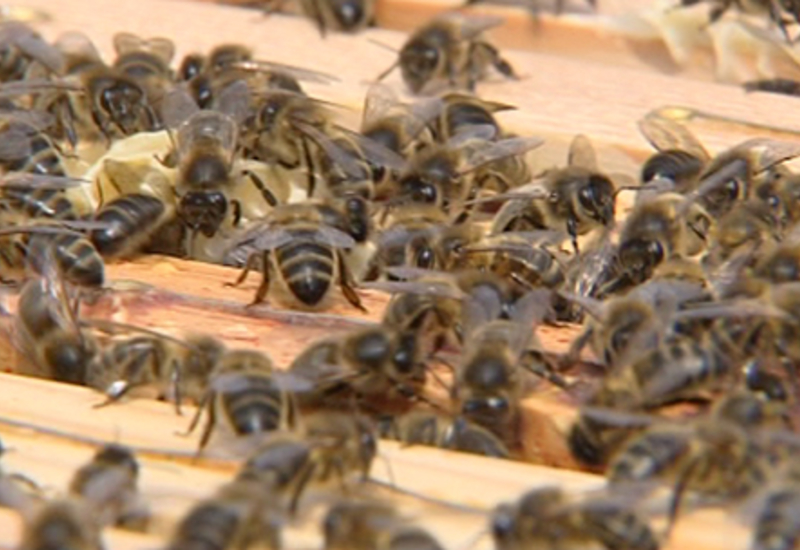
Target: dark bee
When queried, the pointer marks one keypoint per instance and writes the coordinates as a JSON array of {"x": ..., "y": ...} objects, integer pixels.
[
  {"x": 450, "y": 49},
  {"x": 297, "y": 245},
  {"x": 62, "y": 524}
]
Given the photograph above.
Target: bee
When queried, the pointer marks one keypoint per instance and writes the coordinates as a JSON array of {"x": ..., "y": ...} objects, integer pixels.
[
  {"x": 117, "y": 104},
  {"x": 623, "y": 326},
  {"x": 549, "y": 518},
  {"x": 330, "y": 445},
  {"x": 718, "y": 182},
  {"x": 340, "y": 15},
  {"x": 108, "y": 485},
  {"x": 399, "y": 127},
  {"x": 296, "y": 245},
  {"x": 784, "y": 86},
  {"x": 61, "y": 524},
  {"x": 437, "y": 430},
  {"x": 245, "y": 396},
  {"x": 450, "y": 175},
  {"x": 27, "y": 147},
  {"x": 147, "y": 61},
  {"x": 240, "y": 514},
  {"x": 450, "y": 48},
  {"x": 174, "y": 368},
  {"x": 716, "y": 456},
  {"x": 461, "y": 112},
  {"x": 748, "y": 226},
  {"x": 48, "y": 334},
  {"x": 488, "y": 385},
  {"x": 781, "y": 193},
  {"x": 368, "y": 525},
  {"x": 374, "y": 363},
  {"x": 657, "y": 229},
  {"x": 276, "y": 131},
  {"x": 577, "y": 198}
]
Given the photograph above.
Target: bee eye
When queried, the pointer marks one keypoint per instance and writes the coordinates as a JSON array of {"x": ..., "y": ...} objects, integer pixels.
[
  {"x": 732, "y": 188},
  {"x": 587, "y": 197},
  {"x": 424, "y": 258}
]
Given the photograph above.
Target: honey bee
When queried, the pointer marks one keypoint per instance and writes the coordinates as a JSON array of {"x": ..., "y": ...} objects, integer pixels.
[
  {"x": 174, "y": 368},
  {"x": 368, "y": 525},
  {"x": 784, "y": 86},
  {"x": 296, "y": 245},
  {"x": 451, "y": 50},
  {"x": 246, "y": 396},
  {"x": 716, "y": 183},
  {"x": 577, "y": 198},
  {"x": 464, "y": 111},
  {"x": 488, "y": 386},
  {"x": 48, "y": 334},
  {"x": 108, "y": 485},
  {"x": 340, "y": 15},
  {"x": 549, "y": 518},
  {"x": 625, "y": 325},
  {"x": 375, "y": 363},
  {"x": 451, "y": 175},
  {"x": 147, "y": 61},
  {"x": 399, "y": 127},
  {"x": 240, "y": 513},
  {"x": 717, "y": 456},
  {"x": 329, "y": 445},
  {"x": 657, "y": 229},
  {"x": 59, "y": 524},
  {"x": 748, "y": 226},
  {"x": 437, "y": 430}
]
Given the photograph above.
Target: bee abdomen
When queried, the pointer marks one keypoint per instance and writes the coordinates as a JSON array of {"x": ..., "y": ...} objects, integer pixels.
[
  {"x": 255, "y": 409},
  {"x": 308, "y": 269},
  {"x": 647, "y": 456},
  {"x": 131, "y": 219},
  {"x": 208, "y": 527},
  {"x": 76, "y": 257}
]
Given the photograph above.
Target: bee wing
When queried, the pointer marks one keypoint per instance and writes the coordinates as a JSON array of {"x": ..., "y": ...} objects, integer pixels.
[
  {"x": 177, "y": 107},
  {"x": 35, "y": 85},
  {"x": 415, "y": 273},
  {"x": 501, "y": 149},
  {"x": 341, "y": 157},
  {"x": 473, "y": 26},
  {"x": 473, "y": 132},
  {"x": 37, "y": 120},
  {"x": 587, "y": 270},
  {"x": 36, "y": 48},
  {"x": 481, "y": 306},
  {"x": 379, "y": 100},
  {"x": 774, "y": 151},
  {"x": 16, "y": 144},
  {"x": 592, "y": 306},
  {"x": 77, "y": 44},
  {"x": 582, "y": 154},
  {"x": 614, "y": 417},
  {"x": 665, "y": 134},
  {"x": 535, "y": 190},
  {"x": 676, "y": 292},
  {"x": 163, "y": 48},
  {"x": 733, "y": 308},
  {"x": 428, "y": 288},
  {"x": 234, "y": 101},
  {"x": 208, "y": 126},
  {"x": 296, "y": 72},
  {"x": 735, "y": 168},
  {"x": 274, "y": 237},
  {"x": 40, "y": 181},
  {"x": 400, "y": 236}
]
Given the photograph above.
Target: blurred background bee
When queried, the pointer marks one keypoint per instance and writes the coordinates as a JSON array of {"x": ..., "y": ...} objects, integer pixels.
[{"x": 450, "y": 51}]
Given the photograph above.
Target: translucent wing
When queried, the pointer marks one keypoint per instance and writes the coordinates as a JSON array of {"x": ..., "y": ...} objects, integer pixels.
[
  {"x": 177, "y": 107},
  {"x": 773, "y": 152},
  {"x": 442, "y": 289},
  {"x": 296, "y": 72},
  {"x": 275, "y": 237},
  {"x": 234, "y": 101},
  {"x": 40, "y": 181},
  {"x": 77, "y": 44},
  {"x": 665, "y": 134},
  {"x": 380, "y": 99},
  {"x": 16, "y": 144},
  {"x": 501, "y": 149},
  {"x": 582, "y": 154},
  {"x": 208, "y": 127},
  {"x": 472, "y": 26},
  {"x": 36, "y": 48},
  {"x": 163, "y": 48}
]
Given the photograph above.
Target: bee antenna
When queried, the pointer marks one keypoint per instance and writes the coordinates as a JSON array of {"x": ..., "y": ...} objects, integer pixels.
[{"x": 385, "y": 47}]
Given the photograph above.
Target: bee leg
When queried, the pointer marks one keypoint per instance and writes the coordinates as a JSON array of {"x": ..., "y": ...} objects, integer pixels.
[
  {"x": 263, "y": 288},
  {"x": 310, "y": 172},
  {"x": 175, "y": 382},
  {"x": 196, "y": 418},
  {"x": 259, "y": 183},
  {"x": 535, "y": 362},
  {"x": 294, "y": 502},
  {"x": 501, "y": 65},
  {"x": 576, "y": 347},
  {"x": 211, "y": 421},
  {"x": 572, "y": 231},
  {"x": 346, "y": 284},
  {"x": 248, "y": 267},
  {"x": 677, "y": 495},
  {"x": 237, "y": 212},
  {"x": 316, "y": 15}
]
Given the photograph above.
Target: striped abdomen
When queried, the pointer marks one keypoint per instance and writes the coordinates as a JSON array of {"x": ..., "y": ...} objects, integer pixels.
[
  {"x": 307, "y": 267},
  {"x": 255, "y": 407}
]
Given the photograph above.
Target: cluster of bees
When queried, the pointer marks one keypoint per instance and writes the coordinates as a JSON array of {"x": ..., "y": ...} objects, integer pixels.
[{"x": 688, "y": 303}]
